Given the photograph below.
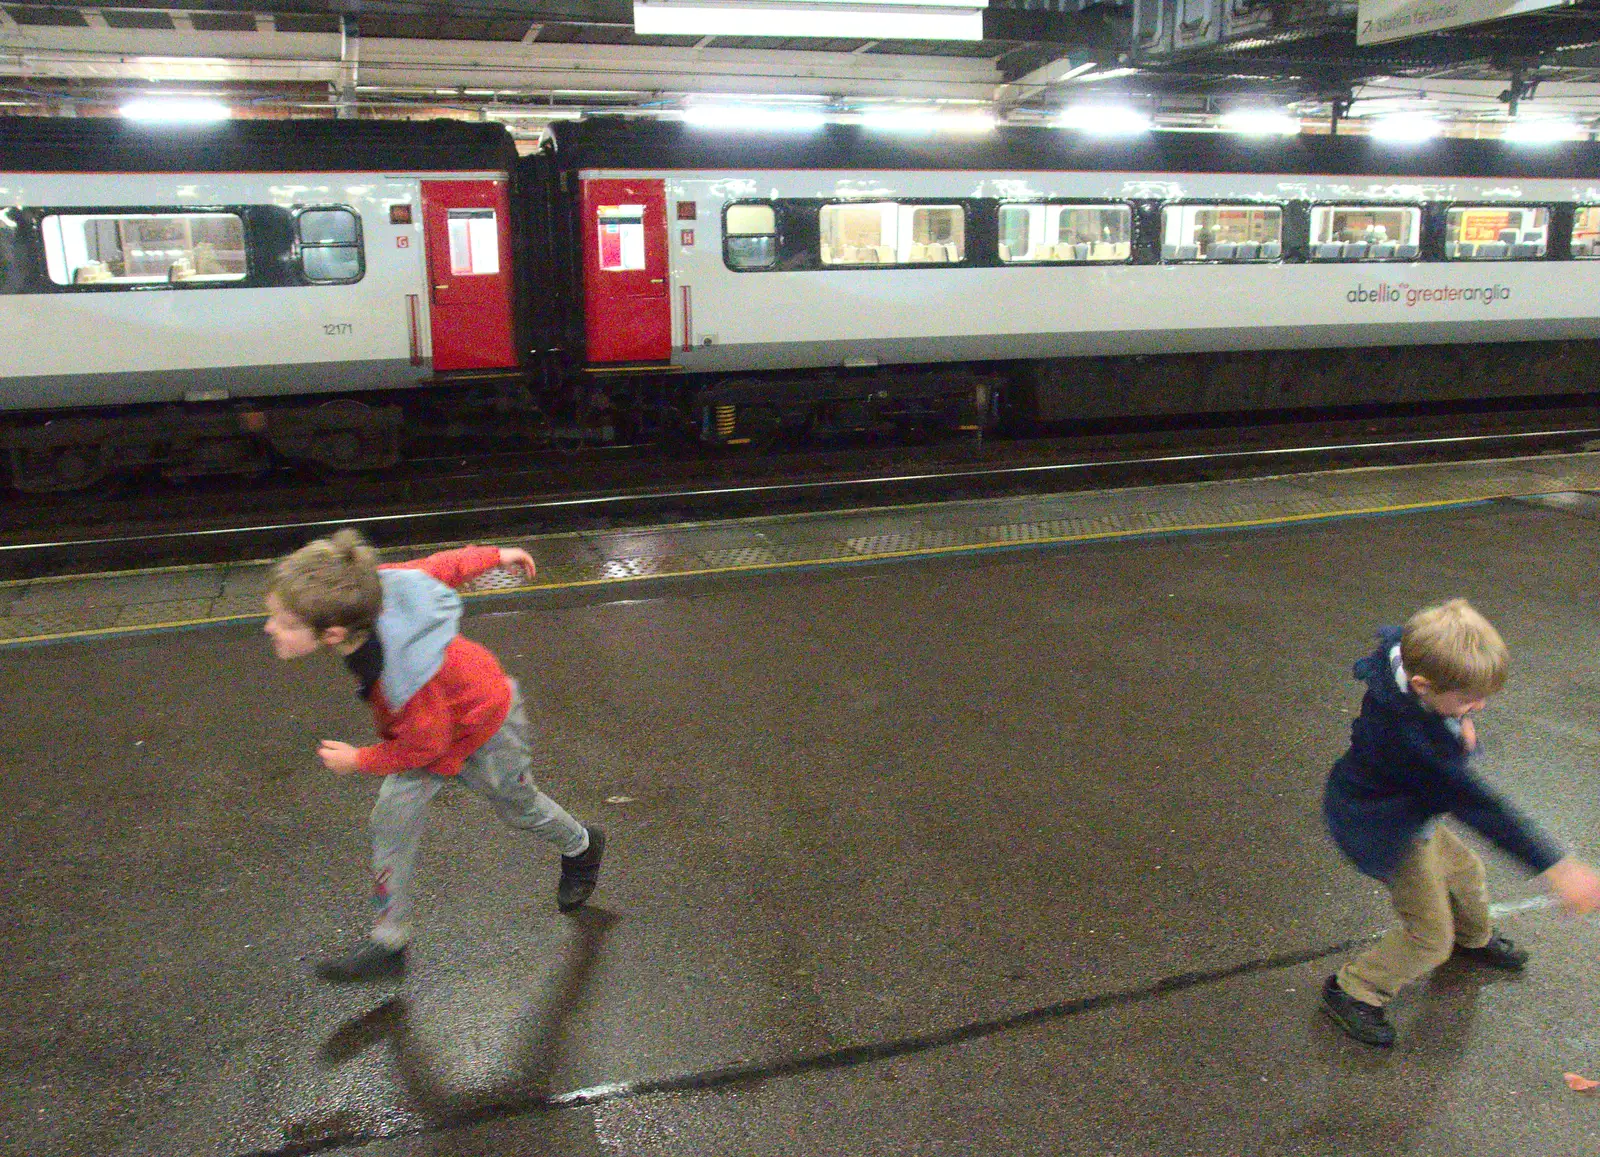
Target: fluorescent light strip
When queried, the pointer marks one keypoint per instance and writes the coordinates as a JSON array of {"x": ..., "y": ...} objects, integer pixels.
[
  {"x": 814, "y": 18},
  {"x": 175, "y": 111}
]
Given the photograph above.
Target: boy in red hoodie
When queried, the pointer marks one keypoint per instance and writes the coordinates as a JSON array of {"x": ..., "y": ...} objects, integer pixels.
[{"x": 444, "y": 708}]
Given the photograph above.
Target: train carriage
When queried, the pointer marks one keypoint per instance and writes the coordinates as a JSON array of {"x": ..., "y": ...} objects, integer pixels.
[
  {"x": 1060, "y": 267},
  {"x": 183, "y": 285}
]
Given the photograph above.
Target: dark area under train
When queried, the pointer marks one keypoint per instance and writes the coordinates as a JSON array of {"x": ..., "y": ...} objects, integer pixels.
[{"x": 509, "y": 495}]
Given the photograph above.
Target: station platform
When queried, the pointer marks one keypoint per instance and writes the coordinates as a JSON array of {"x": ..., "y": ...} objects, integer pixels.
[
  {"x": 980, "y": 828},
  {"x": 87, "y": 606}
]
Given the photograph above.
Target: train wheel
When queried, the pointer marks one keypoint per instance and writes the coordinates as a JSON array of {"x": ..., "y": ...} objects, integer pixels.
[
  {"x": 57, "y": 469},
  {"x": 342, "y": 436}
]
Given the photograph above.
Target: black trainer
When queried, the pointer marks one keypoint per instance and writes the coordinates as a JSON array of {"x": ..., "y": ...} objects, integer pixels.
[
  {"x": 1366, "y": 1022},
  {"x": 369, "y": 960},
  {"x": 1498, "y": 953},
  {"x": 580, "y": 873}
]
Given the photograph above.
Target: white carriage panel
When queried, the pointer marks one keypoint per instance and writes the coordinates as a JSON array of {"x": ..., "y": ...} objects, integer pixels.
[
  {"x": 1119, "y": 308},
  {"x": 158, "y": 330}
]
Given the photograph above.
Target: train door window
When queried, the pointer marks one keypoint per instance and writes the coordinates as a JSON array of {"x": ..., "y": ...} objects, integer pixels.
[
  {"x": 1365, "y": 232},
  {"x": 621, "y": 234},
  {"x": 1496, "y": 232},
  {"x": 750, "y": 237},
  {"x": 859, "y": 234},
  {"x": 1586, "y": 232},
  {"x": 111, "y": 249},
  {"x": 474, "y": 241},
  {"x": 1222, "y": 233},
  {"x": 330, "y": 245}
]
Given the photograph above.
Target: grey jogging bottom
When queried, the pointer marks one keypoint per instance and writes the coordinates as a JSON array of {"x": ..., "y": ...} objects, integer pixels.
[{"x": 501, "y": 772}]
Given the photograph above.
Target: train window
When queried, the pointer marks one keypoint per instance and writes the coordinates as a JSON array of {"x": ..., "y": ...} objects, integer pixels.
[
  {"x": 109, "y": 249},
  {"x": 1496, "y": 232},
  {"x": 1221, "y": 233},
  {"x": 474, "y": 241},
  {"x": 1586, "y": 232},
  {"x": 888, "y": 233},
  {"x": 1061, "y": 233},
  {"x": 750, "y": 237},
  {"x": 1365, "y": 232},
  {"x": 330, "y": 245},
  {"x": 621, "y": 233}
]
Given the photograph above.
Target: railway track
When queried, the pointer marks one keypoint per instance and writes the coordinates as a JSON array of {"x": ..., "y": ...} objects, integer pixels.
[{"x": 504, "y": 495}]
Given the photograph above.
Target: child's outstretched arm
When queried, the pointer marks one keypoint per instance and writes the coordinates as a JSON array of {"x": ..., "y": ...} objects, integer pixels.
[
  {"x": 457, "y": 567},
  {"x": 1574, "y": 883}
]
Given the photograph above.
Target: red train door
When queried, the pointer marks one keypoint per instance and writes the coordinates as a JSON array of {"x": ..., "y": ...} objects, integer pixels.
[
  {"x": 467, "y": 230},
  {"x": 627, "y": 302}
]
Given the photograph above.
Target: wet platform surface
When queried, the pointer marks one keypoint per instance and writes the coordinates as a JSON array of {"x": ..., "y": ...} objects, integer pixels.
[{"x": 983, "y": 851}]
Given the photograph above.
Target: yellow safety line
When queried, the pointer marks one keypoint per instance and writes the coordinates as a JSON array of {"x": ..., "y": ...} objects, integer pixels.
[{"x": 916, "y": 552}]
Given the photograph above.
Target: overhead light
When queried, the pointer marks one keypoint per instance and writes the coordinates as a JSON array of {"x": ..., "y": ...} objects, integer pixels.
[
  {"x": 175, "y": 111},
  {"x": 1405, "y": 127},
  {"x": 749, "y": 117},
  {"x": 1261, "y": 123},
  {"x": 1108, "y": 74},
  {"x": 832, "y": 19},
  {"x": 514, "y": 112},
  {"x": 928, "y": 122},
  {"x": 1104, "y": 120},
  {"x": 1544, "y": 131}
]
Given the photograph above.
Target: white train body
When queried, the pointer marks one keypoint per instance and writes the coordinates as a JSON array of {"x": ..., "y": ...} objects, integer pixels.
[
  {"x": 195, "y": 270},
  {"x": 744, "y": 321},
  {"x": 157, "y": 346}
]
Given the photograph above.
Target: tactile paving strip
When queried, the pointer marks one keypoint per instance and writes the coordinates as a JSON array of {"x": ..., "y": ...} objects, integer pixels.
[{"x": 42, "y": 610}]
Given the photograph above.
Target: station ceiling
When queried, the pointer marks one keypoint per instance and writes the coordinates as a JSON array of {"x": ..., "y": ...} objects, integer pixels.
[{"x": 529, "y": 62}]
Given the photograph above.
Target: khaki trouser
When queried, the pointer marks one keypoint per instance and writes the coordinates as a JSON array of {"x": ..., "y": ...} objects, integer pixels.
[{"x": 1439, "y": 892}]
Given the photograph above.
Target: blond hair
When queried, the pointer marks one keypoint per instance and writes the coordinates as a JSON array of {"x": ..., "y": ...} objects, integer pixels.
[
  {"x": 1456, "y": 649},
  {"x": 331, "y": 582}
]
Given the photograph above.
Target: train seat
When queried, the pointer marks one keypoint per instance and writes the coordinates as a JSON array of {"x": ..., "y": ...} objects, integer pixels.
[
  {"x": 1524, "y": 251},
  {"x": 1187, "y": 252},
  {"x": 1247, "y": 251},
  {"x": 1383, "y": 251},
  {"x": 1120, "y": 250},
  {"x": 1355, "y": 251},
  {"x": 1169, "y": 253},
  {"x": 1330, "y": 251},
  {"x": 1271, "y": 250},
  {"x": 1406, "y": 252},
  {"x": 1491, "y": 251},
  {"x": 1222, "y": 251},
  {"x": 919, "y": 252}
]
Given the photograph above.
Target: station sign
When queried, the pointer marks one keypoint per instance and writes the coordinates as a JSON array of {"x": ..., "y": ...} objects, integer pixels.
[{"x": 1380, "y": 21}]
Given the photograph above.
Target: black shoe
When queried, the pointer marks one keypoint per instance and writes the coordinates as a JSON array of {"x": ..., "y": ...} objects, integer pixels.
[
  {"x": 580, "y": 873},
  {"x": 369, "y": 960},
  {"x": 1366, "y": 1022},
  {"x": 1498, "y": 953}
]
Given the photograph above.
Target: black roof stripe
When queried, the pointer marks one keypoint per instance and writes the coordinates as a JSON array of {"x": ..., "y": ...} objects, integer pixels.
[
  {"x": 110, "y": 145},
  {"x": 624, "y": 143}
]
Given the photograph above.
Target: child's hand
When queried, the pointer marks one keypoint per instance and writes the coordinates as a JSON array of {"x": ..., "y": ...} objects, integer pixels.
[
  {"x": 518, "y": 559},
  {"x": 1469, "y": 734},
  {"x": 1574, "y": 884},
  {"x": 339, "y": 758}
]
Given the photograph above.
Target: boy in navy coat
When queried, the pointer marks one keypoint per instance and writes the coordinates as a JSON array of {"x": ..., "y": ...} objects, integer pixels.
[{"x": 1406, "y": 767}]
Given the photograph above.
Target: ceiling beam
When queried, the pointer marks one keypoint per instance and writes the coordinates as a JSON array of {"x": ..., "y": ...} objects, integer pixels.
[{"x": 535, "y": 69}]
